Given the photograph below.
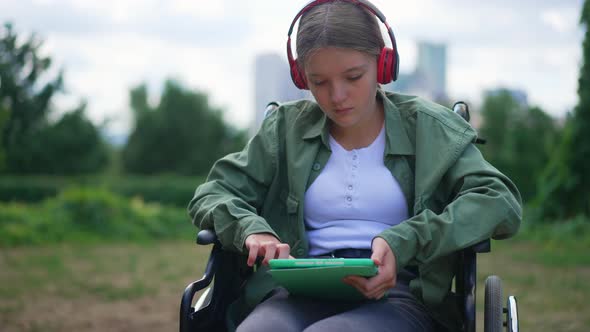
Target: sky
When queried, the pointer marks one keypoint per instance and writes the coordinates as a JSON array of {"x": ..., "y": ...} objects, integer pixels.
[{"x": 107, "y": 47}]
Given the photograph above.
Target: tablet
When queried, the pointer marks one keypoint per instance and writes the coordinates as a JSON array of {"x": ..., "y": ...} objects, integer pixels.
[{"x": 321, "y": 278}]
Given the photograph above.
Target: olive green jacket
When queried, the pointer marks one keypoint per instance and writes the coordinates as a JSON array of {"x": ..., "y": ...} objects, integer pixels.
[{"x": 455, "y": 197}]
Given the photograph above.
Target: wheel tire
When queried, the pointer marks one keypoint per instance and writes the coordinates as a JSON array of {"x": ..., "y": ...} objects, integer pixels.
[{"x": 493, "y": 310}]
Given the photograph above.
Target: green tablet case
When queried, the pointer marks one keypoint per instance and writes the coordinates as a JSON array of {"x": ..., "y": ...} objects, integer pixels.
[{"x": 321, "y": 278}]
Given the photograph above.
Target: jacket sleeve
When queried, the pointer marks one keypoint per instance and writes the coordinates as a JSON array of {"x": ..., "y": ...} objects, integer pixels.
[
  {"x": 484, "y": 203},
  {"x": 235, "y": 189}
]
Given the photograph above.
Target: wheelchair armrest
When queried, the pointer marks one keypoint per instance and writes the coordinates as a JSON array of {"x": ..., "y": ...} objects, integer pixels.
[
  {"x": 480, "y": 247},
  {"x": 206, "y": 236},
  {"x": 228, "y": 271}
]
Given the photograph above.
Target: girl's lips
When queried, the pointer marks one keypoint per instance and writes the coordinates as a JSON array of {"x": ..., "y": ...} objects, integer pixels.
[{"x": 343, "y": 110}]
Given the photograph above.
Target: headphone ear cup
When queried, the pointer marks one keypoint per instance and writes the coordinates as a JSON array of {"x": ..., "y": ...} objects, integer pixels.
[
  {"x": 387, "y": 66},
  {"x": 297, "y": 76}
]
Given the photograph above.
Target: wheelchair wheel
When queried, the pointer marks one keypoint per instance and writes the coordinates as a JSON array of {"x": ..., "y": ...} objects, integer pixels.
[{"x": 493, "y": 309}]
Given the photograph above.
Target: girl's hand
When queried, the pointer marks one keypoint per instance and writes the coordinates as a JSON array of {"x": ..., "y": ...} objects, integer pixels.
[
  {"x": 376, "y": 287},
  {"x": 267, "y": 246}
]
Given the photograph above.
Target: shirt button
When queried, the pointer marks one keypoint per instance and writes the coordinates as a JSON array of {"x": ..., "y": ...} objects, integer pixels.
[
  {"x": 354, "y": 157},
  {"x": 316, "y": 166},
  {"x": 349, "y": 199},
  {"x": 349, "y": 187}
]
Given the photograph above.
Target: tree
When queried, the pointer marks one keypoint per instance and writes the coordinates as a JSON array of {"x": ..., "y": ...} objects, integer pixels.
[
  {"x": 566, "y": 182},
  {"x": 519, "y": 140},
  {"x": 24, "y": 97},
  {"x": 77, "y": 143},
  {"x": 500, "y": 113},
  {"x": 533, "y": 138},
  {"x": 183, "y": 134},
  {"x": 3, "y": 118},
  {"x": 30, "y": 143}
]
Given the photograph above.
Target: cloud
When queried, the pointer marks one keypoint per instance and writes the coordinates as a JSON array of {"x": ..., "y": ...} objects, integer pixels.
[
  {"x": 169, "y": 20},
  {"x": 562, "y": 21},
  {"x": 107, "y": 47}
]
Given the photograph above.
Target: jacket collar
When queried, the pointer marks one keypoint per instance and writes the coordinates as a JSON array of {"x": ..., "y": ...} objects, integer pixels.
[
  {"x": 398, "y": 142},
  {"x": 320, "y": 127}
]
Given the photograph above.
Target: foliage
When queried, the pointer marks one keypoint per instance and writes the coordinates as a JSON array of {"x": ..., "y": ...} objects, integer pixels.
[
  {"x": 166, "y": 190},
  {"x": 30, "y": 143},
  {"x": 519, "y": 140},
  {"x": 3, "y": 119},
  {"x": 183, "y": 134},
  {"x": 22, "y": 95},
  {"x": 565, "y": 183},
  {"x": 82, "y": 214},
  {"x": 29, "y": 189},
  {"x": 72, "y": 145}
]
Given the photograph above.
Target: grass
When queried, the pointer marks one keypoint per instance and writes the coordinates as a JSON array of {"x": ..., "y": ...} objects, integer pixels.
[
  {"x": 548, "y": 278},
  {"x": 123, "y": 287},
  {"x": 96, "y": 287}
]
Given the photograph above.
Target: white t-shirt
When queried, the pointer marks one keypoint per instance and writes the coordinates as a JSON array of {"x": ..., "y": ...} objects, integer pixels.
[{"x": 353, "y": 199}]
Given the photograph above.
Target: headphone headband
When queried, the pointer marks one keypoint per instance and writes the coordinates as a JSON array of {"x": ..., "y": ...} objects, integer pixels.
[{"x": 362, "y": 3}]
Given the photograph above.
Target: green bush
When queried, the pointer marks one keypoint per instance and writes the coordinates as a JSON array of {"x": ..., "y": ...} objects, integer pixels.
[
  {"x": 28, "y": 189},
  {"x": 94, "y": 210},
  {"x": 168, "y": 190},
  {"x": 576, "y": 229},
  {"x": 84, "y": 214}
]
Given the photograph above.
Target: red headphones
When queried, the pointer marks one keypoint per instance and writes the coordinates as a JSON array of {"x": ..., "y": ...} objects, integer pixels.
[{"x": 387, "y": 65}]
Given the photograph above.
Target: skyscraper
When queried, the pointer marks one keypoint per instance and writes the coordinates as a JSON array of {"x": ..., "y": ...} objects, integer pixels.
[
  {"x": 429, "y": 78},
  {"x": 272, "y": 83},
  {"x": 432, "y": 62}
]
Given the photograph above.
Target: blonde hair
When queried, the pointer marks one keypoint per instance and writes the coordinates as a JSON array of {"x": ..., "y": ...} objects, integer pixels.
[{"x": 339, "y": 24}]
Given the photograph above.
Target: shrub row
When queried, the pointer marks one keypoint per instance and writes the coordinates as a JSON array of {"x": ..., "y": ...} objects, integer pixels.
[
  {"x": 167, "y": 190},
  {"x": 90, "y": 214}
]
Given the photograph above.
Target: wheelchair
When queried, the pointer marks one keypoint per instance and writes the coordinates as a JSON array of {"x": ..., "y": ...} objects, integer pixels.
[{"x": 223, "y": 279}]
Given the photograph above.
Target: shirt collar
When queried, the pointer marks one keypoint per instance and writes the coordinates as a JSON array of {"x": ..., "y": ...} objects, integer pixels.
[{"x": 397, "y": 141}]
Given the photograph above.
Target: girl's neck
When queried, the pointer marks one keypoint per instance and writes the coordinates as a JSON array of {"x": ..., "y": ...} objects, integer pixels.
[{"x": 362, "y": 134}]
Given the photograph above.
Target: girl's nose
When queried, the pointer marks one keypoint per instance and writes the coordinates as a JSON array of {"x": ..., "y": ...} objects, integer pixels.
[{"x": 338, "y": 93}]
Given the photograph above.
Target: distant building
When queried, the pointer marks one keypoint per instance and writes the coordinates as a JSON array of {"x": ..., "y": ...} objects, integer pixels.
[
  {"x": 432, "y": 64},
  {"x": 272, "y": 83},
  {"x": 429, "y": 78}
]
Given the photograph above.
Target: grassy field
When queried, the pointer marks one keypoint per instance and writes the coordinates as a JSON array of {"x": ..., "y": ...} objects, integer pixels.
[
  {"x": 550, "y": 284},
  {"x": 138, "y": 287}
]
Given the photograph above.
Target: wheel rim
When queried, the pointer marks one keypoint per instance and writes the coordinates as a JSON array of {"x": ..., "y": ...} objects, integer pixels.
[{"x": 512, "y": 312}]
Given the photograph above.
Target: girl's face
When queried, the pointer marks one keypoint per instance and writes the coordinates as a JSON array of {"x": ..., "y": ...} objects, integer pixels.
[{"x": 344, "y": 83}]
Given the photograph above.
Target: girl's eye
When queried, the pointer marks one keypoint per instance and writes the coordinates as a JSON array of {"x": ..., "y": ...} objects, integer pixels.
[
  {"x": 354, "y": 78},
  {"x": 318, "y": 83}
]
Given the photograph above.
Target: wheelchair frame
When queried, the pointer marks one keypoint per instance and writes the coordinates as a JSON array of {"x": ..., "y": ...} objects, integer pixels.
[{"x": 227, "y": 274}]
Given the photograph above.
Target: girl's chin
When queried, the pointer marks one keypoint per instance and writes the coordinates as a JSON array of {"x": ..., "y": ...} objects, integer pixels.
[{"x": 343, "y": 123}]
